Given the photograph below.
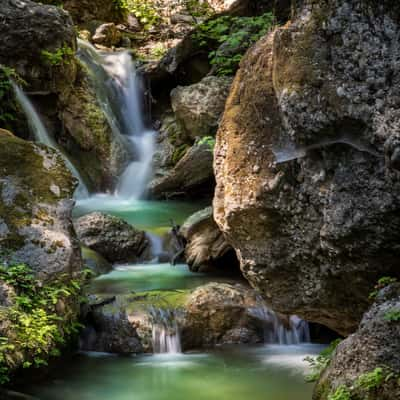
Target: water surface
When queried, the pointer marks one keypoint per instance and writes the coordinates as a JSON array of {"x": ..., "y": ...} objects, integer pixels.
[{"x": 232, "y": 373}]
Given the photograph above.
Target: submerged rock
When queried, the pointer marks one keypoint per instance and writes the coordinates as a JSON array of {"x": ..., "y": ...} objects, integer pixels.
[
  {"x": 205, "y": 243},
  {"x": 199, "y": 107},
  {"x": 304, "y": 192},
  {"x": 36, "y": 204},
  {"x": 373, "y": 351},
  {"x": 192, "y": 176},
  {"x": 112, "y": 237}
]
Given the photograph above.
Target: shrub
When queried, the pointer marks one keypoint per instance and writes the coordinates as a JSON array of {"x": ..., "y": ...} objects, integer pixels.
[
  {"x": 144, "y": 11},
  {"x": 35, "y": 329},
  {"x": 341, "y": 393},
  {"x": 58, "y": 57},
  {"x": 371, "y": 380},
  {"x": 382, "y": 283},
  {"x": 231, "y": 37},
  {"x": 319, "y": 363}
]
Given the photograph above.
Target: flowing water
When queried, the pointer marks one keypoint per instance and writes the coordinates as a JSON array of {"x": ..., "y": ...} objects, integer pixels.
[
  {"x": 267, "y": 372},
  {"x": 239, "y": 373},
  {"x": 41, "y": 135},
  {"x": 119, "y": 90}
]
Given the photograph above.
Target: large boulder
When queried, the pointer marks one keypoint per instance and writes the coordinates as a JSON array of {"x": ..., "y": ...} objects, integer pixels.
[
  {"x": 48, "y": 65},
  {"x": 220, "y": 313},
  {"x": 206, "y": 246},
  {"x": 307, "y": 190},
  {"x": 199, "y": 107},
  {"x": 112, "y": 237},
  {"x": 191, "y": 177},
  {"x": 36, "y": 203},
  {"x": 367, "y": 363}
]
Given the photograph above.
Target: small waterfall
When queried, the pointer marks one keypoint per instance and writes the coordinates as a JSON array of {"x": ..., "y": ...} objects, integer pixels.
[
  {"x": 41, "y": 135},
  {"x": 118, "y": 88},
  {"x": 165, "y": 333},
  {"x": 276, "y": 331}
]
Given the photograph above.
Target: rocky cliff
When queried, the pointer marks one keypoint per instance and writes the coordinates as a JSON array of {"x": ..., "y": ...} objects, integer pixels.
[{"x": 306, "y": 161}]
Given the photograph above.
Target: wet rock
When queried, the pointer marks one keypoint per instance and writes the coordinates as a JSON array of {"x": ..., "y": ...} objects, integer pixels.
[
  {"x": 36, "y": 219},
  {"x": 199, "y": 107},
  {"x": 95, "y": 262},
  {"x": 88, "y": 137},
  {"x": 107, "y": 35},
  {"x": 205, "y": 243},
  {"x": 109, "y": 330},
  {"x": 376, "y": 344},
  {"x": 218, "y": 313},
  {"x": 306, "y": 189},
  {"x": 112, "y": 237},
  {"x": 50, "y": 28},
  {"x": 192, "y": 176}
]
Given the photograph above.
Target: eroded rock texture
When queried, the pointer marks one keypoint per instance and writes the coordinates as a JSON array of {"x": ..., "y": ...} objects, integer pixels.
[
  {"x": 35, "y": 209},
  {"x": 376, "y": 344},
  {"x": 308, "y": 190}
]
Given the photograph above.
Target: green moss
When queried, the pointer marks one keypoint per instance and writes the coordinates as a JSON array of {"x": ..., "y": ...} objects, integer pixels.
[
  {"x": 29, "y": 181},
  {"x": 341, "y": 393}
]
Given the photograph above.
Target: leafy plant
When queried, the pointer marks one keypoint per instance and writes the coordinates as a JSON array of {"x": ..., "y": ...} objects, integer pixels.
[
  {"x": 341, "y": 393},
  {"x": 208, "y": 140},
  {"x": 59, "y": 57},
  {"x": 382, "y": 283},
  {"x": 36, "y": 327},
  {"x": 144, "y": 11},
  {"x": 8, "y": 107},
  {"x": 371, "y": 380},
  {"x": 158, "y": 50},
  {"x": 393, "y": 315},
  {"x": 231, "y": 37},
  {"x": 319, "y": 363}
]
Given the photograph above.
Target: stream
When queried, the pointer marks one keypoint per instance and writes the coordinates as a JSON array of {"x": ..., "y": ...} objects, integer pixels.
[{"x": 262, "y": 372}]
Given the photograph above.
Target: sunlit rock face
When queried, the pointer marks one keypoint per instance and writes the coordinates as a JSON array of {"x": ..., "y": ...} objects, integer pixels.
[
  {"x": 35, "y": 209},
  {"x": 306, "y": 161}
]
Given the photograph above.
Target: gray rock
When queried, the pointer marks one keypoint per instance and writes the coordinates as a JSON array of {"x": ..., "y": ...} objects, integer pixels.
[
  {"x": 376, "y": 344},
  {"x": 205, "y": 243},
  {"x": 199, "y": 107},
  {"x": 192, "y": 176},
  {"x": 112, "y": 237},
  {"x": 39, "y": 227},
  {"x": 49, "y": 28},
  {"x": 107, "y": 35},
  {"x": 219, "y": 313},
  {"x": 306, "y": 189}
]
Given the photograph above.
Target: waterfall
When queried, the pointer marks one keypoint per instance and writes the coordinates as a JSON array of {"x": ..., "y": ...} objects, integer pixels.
[
  {"x": 41, "y": 135},
  {"x": 276, "y": 331},
  {"x": 119, "y": 89},
  {"x": 165, "y": 331}
]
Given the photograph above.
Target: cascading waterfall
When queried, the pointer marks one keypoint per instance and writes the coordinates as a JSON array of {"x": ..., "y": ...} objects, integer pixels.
[
  {"x": 293, "y": 331},
  {"x": 165, "y": 331},
  {"x": 41, "y": 135},
  {"x": 118, "y": 88}
]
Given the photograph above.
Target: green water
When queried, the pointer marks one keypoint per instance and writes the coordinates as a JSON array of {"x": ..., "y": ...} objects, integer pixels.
[
  {"x": 225, "y": 373},
  {"x": 143, "y": 214},
  {"x": 142, "y": 277},
  {"x": 233, "y": 373}
]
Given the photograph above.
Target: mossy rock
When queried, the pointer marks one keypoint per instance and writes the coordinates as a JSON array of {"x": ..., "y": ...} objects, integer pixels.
[{"x": 35, "y": 208}]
